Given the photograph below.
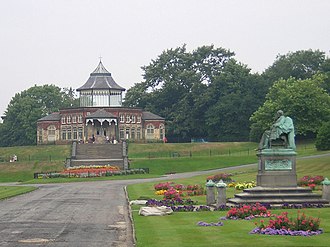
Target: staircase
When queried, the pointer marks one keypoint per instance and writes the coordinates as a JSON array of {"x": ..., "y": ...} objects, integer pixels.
[
  {"x": 277, "y": 196},
  {"x": 99, "y": 154}
]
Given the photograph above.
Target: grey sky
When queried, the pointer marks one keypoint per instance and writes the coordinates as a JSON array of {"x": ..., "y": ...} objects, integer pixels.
[{"x": 59, "y": 41}]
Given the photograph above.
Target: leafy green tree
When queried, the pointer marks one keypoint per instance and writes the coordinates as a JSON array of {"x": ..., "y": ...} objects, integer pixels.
[
  {"x": 234, "y": 95},
  {"x": 174, "y": 87},
  {"x": 301, "y": 64},
  {"x": 305, "y": 101},
  {"x": 323, "y": 137},
  {"x": 25, "y": 108}
]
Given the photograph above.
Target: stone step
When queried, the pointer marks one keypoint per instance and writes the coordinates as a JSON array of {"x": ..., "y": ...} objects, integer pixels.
[
  {"x": 275, "y": 196},
  {"x": 283, "y": 195},
  {"x": 276, "y": 190},
  {"x": 95, "y": 151},
  {"x": 277, "y": 201}
]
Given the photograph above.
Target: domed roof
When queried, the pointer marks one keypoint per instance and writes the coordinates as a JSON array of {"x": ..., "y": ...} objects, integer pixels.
[{"x": 100, "y": 78}]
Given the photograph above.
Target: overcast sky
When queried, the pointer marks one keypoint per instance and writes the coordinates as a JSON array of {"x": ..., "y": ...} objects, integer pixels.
[{"x": 60, "y": 41}]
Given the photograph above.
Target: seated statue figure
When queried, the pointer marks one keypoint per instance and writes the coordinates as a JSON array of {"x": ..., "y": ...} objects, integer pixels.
[{"x": 282, "y": 129}]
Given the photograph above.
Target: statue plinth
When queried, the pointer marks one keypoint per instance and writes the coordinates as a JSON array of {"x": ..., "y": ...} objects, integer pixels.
[{"x": 277, "y": 168}]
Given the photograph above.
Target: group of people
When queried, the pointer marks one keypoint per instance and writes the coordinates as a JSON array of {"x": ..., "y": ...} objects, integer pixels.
[
  {"x": 113, "y": 140},
  {"x": 106, "y": 140}
]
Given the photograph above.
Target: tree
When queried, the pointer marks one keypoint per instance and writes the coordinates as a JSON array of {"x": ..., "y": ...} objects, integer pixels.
[
  {"x": 305, "y": 101},
  {"x": 25, "y": 108},
  {"x": 174, "y": 87},
  {"x": 234, "y": 95},
  {"x": 301, "y": 64},
  {"x": 323, "y": 137}
]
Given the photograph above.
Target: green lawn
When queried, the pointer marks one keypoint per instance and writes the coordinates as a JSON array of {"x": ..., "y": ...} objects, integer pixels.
[
  {"x": 179, "y": 229},
  {"x": 10, "y": 191}
]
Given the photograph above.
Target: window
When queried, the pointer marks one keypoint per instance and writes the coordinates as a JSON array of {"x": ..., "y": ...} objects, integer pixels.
[
  {"x": 121, "y": 134},
  {"x": 127, "y": 133},
  {"x": 69, "y": 133},
  {"x": 63, "y": 133},
  {"x": 150, "y": 131},
  {"x": 128, "y": 118},
  {"x": 75, "y": 133},
  {"x": 74, "y": 119},
  {"x": 133, "y": 133},
  {"x": 138, "y": 133},
  {"x": 80, "y": 119},
  {"x": 138, "y": 119},
  {"x": 68, "y": 119},
  {"x": 40, "y": 136},
  {"x": 161, "y": 132},
  {"x": 133, "y": 118},
  {"x": 80, "y": 133},
  {"x": 122, "y": 118},
  {"x": 51, "y": 130},
  {"x": 63, "y": 120}
]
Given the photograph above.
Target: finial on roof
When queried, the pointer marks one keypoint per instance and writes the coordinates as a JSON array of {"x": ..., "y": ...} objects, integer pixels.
[{"x": 100, "y": 57}]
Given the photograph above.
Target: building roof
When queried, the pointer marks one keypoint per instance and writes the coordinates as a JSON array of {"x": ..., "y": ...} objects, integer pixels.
[
  {"x": 147, "y": 115},
  {"x": 55, "y": 116},
  {"x": 100, "y": 78},
  {"x": 100, "y": 113}
]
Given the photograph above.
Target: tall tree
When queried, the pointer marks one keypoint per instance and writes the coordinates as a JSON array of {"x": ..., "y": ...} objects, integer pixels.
[
  {"x": 174, "y": 85},
  {"x": 25, "y": 108},
  {"x": 301, "y": 64},
  {"x": 203, "y": 93},
  {"x": 304, "y": 100},
  {"x": 233, "y": 95}
]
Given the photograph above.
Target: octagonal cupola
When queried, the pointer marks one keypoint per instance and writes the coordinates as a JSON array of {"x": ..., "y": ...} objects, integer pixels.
[{"x": 100, "y": 90}]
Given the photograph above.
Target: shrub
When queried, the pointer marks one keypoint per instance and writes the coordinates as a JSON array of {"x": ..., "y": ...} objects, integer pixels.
[
  {"x": 221, "y": 176},
  {"x": 323, "y": 137}
]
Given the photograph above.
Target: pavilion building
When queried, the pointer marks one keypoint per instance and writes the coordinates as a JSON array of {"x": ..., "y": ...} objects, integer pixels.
[{"x": 100, "y": 116}]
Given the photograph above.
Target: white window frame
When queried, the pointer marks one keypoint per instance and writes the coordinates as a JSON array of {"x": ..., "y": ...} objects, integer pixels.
[{"x": 128, "y": 118}]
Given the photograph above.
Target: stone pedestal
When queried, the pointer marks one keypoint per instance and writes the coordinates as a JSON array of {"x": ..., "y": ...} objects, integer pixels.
[
  {"x": 277, "y": 168},
  {"x": 326, "y": 192},
  {"x": 210, "y": 192},
  {"x": 326, "y": 189},
  {"x": 221, "y": 198}
]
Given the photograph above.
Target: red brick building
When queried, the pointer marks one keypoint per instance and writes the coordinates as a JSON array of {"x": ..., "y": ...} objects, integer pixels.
[{"x": 100, "y": 116}]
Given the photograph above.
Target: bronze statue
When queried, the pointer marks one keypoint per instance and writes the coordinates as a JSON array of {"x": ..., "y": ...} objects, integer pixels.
[{"x": 282, "y": 129}]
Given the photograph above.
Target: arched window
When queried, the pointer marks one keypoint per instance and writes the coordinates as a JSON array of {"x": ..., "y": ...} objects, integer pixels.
[
  {"x": 51, "y": 133},
  {"x": 51, "y": 130},
  {"x": 150, "y": 131}
]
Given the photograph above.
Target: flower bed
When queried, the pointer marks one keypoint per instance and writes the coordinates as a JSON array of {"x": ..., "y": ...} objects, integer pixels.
[
  {"x": 171, "y": 190},
  {"x": 277, "y": 224},
  {"x": 95, "y": 170},
  {"x": 225, "y": 177},
  {"x": 89, "y": 171},
  {"x": 283, "y": 225},
  {"x": 310, "y": 181},
  {"x": 202, "y": 223},
  {"x": 248, "y": 212},
  {"x": 243, "y": 185}
]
